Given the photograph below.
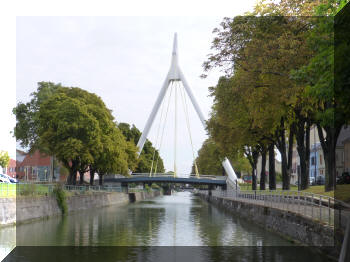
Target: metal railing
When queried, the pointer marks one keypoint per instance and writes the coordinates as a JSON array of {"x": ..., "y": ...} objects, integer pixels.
[
  {"x": 324, "y": 209},
  {"x": 30, "y": 189},
  {"x": 178, "y": 176}
]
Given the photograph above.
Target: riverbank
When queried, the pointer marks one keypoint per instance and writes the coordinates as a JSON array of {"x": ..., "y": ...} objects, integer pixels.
[
  {"x": 26, "y": 209},
  {"x": 289, "y": 225}
]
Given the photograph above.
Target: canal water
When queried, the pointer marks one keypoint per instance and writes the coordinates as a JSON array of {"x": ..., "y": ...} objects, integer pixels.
[{"x": 148, "y": 231}]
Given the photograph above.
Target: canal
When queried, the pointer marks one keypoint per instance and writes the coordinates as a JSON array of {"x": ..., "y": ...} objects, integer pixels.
[{"x": 147, "y": 230}]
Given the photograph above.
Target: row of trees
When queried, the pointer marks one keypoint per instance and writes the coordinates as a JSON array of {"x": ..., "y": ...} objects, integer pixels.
[
  {"x": 77, "y": 128},
  {"x": 210, "y": 157},
  {"x": 279, "y": 81}
]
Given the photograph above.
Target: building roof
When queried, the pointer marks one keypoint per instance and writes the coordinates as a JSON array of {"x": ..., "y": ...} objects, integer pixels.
[
  {"x": 344, "y": 136},
  {"x": 36, "y": 159},
  {"x": 20, "y": 155}
]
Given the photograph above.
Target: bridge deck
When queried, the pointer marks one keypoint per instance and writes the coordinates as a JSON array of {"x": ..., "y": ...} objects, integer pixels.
[{"x": 169, "y": 179}]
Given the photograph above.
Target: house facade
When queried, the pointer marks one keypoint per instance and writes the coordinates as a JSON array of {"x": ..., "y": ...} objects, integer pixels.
[{"x": 36, "y": 166}]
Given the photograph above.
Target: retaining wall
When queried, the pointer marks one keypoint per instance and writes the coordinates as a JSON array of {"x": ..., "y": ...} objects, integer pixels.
[
  {"x": 29, "y": 208},
  {"x": 287, "y": 224}
]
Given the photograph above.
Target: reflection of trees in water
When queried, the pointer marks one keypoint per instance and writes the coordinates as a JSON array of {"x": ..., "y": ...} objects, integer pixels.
[{"x": 119, "y": 226}]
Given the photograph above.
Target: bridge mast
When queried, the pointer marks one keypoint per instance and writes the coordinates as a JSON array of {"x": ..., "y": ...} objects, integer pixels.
[{"x": 175, "y": 74}]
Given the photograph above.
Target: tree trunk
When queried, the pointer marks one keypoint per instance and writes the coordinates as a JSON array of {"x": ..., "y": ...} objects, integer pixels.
[
  {"x": 255, "y": 155},
  {"x": 328, "y": 145},
  {"x": 290, "y": 153},
  {"x": 263, "y": 169},
  {"x": 92, "y": 176},
  {"x": 70, "y": 177},
  {"x": 81, "y": 177},
  {"x": 252, "y": 154},
  {"x": 272, "y": 172},
  {"x": 285, "y": 178},
  {"x": 286, "y": 159},
  {"x": 307, "y": 151},
  {"x": 74, "y": 182},
  {"x": 300, "y": 137},
  {"x": 100, "y": 180}
]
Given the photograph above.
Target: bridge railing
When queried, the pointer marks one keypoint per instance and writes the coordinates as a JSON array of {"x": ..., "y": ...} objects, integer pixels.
[
  {"x": 323, "y": 209},
  {"x": 178, "y": 176}
]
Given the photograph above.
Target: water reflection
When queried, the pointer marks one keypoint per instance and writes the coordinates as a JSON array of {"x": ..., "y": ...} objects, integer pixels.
[{"x": 147, "y": 230}]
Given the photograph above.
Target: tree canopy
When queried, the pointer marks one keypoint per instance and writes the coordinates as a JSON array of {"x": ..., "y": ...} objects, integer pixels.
[
  {"x": 278, "y": 81},
  {"x": 149, "y": 153},
  {"x": 77, "y": 128},
  {"x": 4, "y": 159}
]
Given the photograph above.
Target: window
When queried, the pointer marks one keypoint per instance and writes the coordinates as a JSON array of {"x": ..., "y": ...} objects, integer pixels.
[
  {"x": 313, "y": 161},
  {"x": 321, "y": 162}
]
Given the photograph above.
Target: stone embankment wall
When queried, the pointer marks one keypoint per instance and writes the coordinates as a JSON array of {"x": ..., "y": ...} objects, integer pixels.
[
  {"x": 29, "y": 208},
  {"x": 287, "y": 224}
]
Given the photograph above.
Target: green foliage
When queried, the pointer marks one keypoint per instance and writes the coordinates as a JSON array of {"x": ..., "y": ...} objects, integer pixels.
[
  {"x": 4, "y": 159},
  {"x": 132, "y": 135},
  {"x": 76, "y": 127},
  {"x": 148, "y": 188},
  {"x": 60, "y": 195},
  {"x": 155, "y": 186},
  {"x": 27, "y": 189},
  {"x": 278, "y": 177},
  {"x": 210, "y": 157}
]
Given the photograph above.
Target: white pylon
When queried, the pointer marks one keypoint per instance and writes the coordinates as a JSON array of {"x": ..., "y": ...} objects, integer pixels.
[{"x": 174, "y": 74}]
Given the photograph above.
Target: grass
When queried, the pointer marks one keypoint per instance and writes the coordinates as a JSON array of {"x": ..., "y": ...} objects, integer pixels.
[
  {"x": 7, "y": 190},
  {"x": 341, "y": 193},
  {"x": 17, "y": 190},
  {"x": 247, "y": 186}
]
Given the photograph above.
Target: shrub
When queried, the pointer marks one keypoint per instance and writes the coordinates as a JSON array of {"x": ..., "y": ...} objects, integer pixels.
[{"x": 61, "y": 198}]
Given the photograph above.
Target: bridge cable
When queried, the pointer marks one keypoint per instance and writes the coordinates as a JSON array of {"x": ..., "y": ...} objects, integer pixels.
[
  {"x": 185, "y": 107},
  {"x": 157, "y": 136},
  {"x": 162, "y": 135},
  {"x": 175, "y": 128}
]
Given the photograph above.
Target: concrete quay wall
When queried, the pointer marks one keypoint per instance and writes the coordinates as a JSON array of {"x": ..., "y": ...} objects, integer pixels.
[
  {"x": 20, "y": 210},
  {"x": 289, "y": 225}
]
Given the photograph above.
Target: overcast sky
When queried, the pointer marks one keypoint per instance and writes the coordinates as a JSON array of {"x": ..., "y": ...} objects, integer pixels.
[{"x": 124, "y": 60}]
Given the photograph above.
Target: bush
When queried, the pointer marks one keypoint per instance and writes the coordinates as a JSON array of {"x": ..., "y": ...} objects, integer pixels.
[
  {"x": 61, "y": 198},
  {"x": 155, "y": 186},
  {"x": 278, "y": 177},
  {"x": 27, "y": 189},
  {"x": 148, "y": 188}
]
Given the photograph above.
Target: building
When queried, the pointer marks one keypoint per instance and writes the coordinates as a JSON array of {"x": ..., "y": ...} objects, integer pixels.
[
  {"x": 344, "y": 141},
  {"x": 317, "y": 161},
  {"x": 346, "y": 155},
  {"x": 37, "y": 166},
  {"x": 11, "y": 169}
]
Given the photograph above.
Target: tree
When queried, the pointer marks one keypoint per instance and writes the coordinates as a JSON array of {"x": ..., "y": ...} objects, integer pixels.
[
  {"x": 26, "y": 129},
  {"x": 327, "y": 83},
  {"x": 76, "y": 127},
  {"x": 4, "y": 159},
  {"x": 68, "y": 130},
  {"x": 264, "y": 50},
  {"x": 210, "y": 158},
  {"x": 148, "y": 155}
]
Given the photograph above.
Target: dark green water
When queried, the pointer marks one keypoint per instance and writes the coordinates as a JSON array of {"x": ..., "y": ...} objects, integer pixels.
[{"x": 148, "y": 230}]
